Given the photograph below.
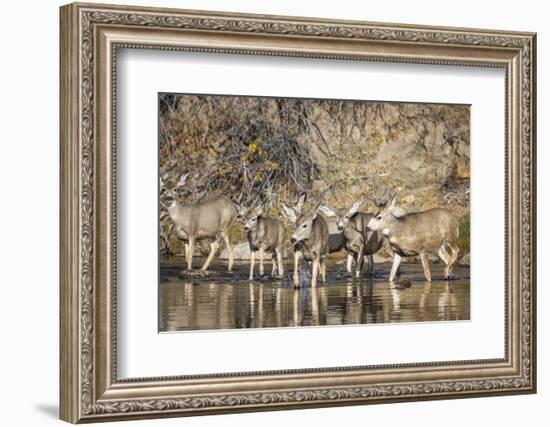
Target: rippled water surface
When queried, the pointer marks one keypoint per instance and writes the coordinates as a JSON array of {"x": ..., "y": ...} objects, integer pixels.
[{"x": 223, "y": 300}]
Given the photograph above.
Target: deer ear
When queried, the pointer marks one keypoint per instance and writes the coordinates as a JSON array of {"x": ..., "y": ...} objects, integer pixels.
[
  {"x": 327, "y": 211},
  {"x": 393, "y": 201},
  {"x": 397, "y": 212},
  {"x": 356, "y": 206},
  {"x": 259, "y": 210},
  {"x": 289, "y": 213},
  {"x": 240, "y": 210},
  {"x": 301, "y": 200},
  {"x": 315, "y": 211},
  {"x": 182, "y": 179}
]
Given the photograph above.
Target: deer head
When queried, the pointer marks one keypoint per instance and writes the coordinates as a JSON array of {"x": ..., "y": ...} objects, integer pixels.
[
  {"x": 343, "y": 215},
  {"x": 385, "y": 215},
  {"x": 251, "y": 218},
  {"x": 169, "y": 189},
  {"x": 303, "y": 227}
]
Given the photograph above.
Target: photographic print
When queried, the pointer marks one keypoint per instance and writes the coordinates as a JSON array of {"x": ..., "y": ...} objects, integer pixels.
[{"x": 290, "y": 212}]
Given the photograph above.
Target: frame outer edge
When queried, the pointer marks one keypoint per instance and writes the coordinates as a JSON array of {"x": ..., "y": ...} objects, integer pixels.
[
  {"x": 305, "y": 19},
  {"x": 533, "y": 202},
  {"x": 69, "y": 355},
  {"x": 77, "y": 341}
]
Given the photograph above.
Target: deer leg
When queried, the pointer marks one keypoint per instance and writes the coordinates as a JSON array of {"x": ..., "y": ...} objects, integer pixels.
[
  {"x": 296, "y": 277},
  {"x": 443, "y": 254},
  {"x": 426, "y": 266},
  {"x": 324, "y": 269},
  {"x": 251, "y": 275},
  {"x": 225, "y": 237},
  {"x": 261, "y": 261},
  {"x": 455, "y": 252},
  {"x": 314, "y": 272},
  {"x": 280, "y": 261},
  {"x": 454, "y": 256},
  {"x": 445, "y": 257},
  {"x": 213, "y": 248},
  {"x": 359, "y": 263},
  {"x": 395, "y": 266},
  {"x": 349, "y": 263},
  {"x": 274, "y": 265},
  {"x": 189, "y": 254}
]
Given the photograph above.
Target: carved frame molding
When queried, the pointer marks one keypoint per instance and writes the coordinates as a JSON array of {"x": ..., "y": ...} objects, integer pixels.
[{"x": 90, "y": 37}]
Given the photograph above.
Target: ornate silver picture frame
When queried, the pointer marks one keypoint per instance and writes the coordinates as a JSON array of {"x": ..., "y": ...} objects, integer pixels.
[{"x": 91, "y": 36}]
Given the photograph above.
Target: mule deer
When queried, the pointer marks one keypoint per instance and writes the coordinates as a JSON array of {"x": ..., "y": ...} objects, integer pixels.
[
  {"x": 418, "y": 233},
  {"x": 200, "y": 220},
  {"x": 360, "y": 241},
  {"x": 310, "y": 240},
  {"x": 264, "y": 235},
  {"x": 336, "y": 241}
]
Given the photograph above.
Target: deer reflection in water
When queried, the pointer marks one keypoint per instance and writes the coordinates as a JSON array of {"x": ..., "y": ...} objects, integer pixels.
[{"x": 225, "y": 301}]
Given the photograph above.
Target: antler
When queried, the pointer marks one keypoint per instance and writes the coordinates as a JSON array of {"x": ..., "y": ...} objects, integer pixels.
[
  {"x": 380, "y": 200},
  {"x": 182, "y": 179}
]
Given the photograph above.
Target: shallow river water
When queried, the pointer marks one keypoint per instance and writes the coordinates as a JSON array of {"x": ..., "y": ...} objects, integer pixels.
[{"x": 223, "y": 300}]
